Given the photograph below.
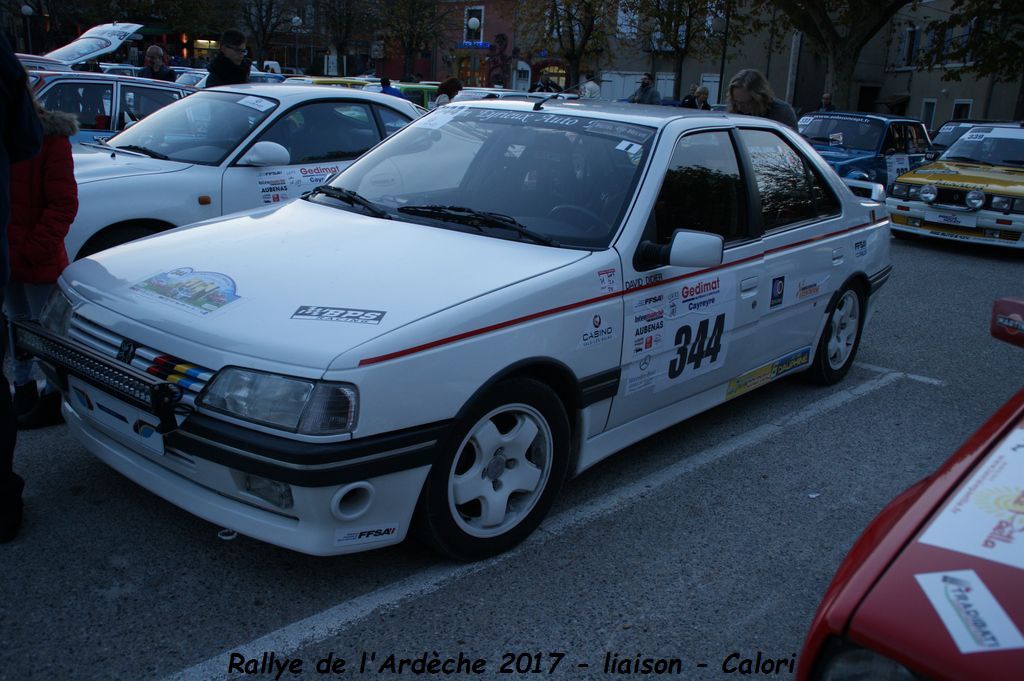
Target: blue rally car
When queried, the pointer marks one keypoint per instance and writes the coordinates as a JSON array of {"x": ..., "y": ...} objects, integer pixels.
[{"x": 867, "y": 146}]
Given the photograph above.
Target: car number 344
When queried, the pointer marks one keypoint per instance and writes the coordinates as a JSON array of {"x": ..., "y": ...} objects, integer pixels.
[{"x": 693, "y": 349}]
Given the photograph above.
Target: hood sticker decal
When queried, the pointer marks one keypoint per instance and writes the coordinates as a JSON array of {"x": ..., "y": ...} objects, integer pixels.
[
  {"x": 986, "y": 517},
  {"x": 196, "y": 292},
  {"x": 338, "y": 314},
  {"x": 972, "y": 615}
]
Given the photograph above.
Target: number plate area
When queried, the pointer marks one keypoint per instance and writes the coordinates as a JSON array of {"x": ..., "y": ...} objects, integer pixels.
[
  {"x": 951, "y": 219},
  {"x": 132, "y": 424}
]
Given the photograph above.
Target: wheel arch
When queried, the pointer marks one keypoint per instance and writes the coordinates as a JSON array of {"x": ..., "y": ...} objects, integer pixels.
[
  {"x": 554, "y": 374},
  {"x": 153, "y": 225},
  {"x": 856, "y": 280}
]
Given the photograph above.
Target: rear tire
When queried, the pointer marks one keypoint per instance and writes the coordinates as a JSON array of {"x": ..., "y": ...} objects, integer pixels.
[
  {"x": 840, "y": 339},
  {"x": 499, "y": 472}
]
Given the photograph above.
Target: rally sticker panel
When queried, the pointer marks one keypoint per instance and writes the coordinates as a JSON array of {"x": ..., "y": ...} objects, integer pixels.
[
  {"x": 199, "y": 293},
  {"x": 972, "y": 615},
  {"x": 986, "y": 517}
]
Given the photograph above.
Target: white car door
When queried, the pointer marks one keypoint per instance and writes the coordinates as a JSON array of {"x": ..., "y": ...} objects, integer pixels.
[
  {"x": 688, "y": 330},
  {"x": 804, "y": 264},
  {"x": 321, "y": 137}
]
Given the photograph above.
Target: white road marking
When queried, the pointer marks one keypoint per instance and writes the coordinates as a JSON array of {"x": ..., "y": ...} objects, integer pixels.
[
  {"x": 333, "y": 621},
  {"x": 913, "y": 377}
]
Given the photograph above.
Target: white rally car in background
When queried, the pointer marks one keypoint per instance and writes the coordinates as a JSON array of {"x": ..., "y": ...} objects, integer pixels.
[
  {"x": 494, "y": 299},
  {"x": 220, "y": 151}
]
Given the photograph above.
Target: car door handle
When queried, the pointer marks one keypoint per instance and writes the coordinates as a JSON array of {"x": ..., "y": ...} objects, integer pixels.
[
  {"x": 837, "y": 256},
  {"x": 748, "y": 285}
]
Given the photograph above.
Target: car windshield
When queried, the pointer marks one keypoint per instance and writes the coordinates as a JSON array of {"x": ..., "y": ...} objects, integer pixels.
[
  {"x": 949, "y": 134},
  {"x": 565, "y": 178},
  {"x": 850, "y": 132},
  {"x": 188, "y": 78},
  {"x": 989, "y": 146},
  {"x": 203, "y": 128}
]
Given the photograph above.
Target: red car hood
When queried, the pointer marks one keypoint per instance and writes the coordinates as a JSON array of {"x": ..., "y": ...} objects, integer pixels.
[{"x": 951, "y": 604}]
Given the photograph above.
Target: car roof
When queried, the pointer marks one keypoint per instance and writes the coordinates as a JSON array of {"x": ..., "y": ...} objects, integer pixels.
[
  {"x": 50, "y": 76},
  {"x": 297, "y": 93},
  {"x": 887, "y": 118},
  {"x": 982, "y": 121},
  {"x": 638, "y": 114}
]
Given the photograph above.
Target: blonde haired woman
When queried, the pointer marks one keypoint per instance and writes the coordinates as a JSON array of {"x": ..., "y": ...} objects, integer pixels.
[{"x": 750, "y": 93}]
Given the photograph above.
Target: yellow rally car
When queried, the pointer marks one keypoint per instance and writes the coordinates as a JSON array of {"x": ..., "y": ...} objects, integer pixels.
[{"x": 974, "y": 192}]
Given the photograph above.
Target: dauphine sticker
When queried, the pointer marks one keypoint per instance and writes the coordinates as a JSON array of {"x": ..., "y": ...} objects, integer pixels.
[{"x": 986, "y": 516}]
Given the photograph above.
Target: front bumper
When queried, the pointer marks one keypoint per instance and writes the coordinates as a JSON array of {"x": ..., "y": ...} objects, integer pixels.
[
  {"x": 982, "y": 226},
  {"x": 333, "y": 497}
]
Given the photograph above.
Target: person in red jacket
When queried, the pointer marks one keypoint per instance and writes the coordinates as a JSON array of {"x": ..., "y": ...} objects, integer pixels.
[{"x": 44, "y": 202}]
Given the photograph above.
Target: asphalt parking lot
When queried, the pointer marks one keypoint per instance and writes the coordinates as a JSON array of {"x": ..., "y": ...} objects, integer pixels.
[{"x": 707, "y": 544}]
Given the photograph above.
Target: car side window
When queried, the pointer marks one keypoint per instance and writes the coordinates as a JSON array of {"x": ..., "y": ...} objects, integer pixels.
[
  {"x": 392, "y": 120},
  {"x": 918, "y": 139},
  {"x": 325, "y": 131},
  {"x": 138, "y": 102},
  {"x": 791, "y": 189},
  {"x": 702, "y": 189},
  {"x": 89, "y": 102}
]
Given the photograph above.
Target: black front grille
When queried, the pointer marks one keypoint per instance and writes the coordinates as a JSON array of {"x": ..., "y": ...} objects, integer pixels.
[{"x": 952, "y": 197}]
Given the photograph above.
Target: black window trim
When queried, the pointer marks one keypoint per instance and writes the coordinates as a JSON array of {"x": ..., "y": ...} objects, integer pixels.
[
  {"x": 753, "y": 217},
  {"x": 807, "y": 162},
  {"x": 262, "y": 127}
]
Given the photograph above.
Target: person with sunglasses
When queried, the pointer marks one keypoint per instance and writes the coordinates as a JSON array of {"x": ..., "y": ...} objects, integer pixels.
[{"x": 231, "y": 65}]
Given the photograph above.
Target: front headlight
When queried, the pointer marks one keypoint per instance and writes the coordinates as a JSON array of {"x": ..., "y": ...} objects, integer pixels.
[
  {"x": 975, "y": 199},
  {"x": 900, "y": 190},
  {"x": 295, "y": 404},
  {"x": 1000, "y": 203},
  {"x": 929, "y": 193},
  {"x": 860, "y": 664},
  {"x": 56, "y": 314},
  {"x": 915, "y": 192},
  {"x": 1018, "y": 205}
]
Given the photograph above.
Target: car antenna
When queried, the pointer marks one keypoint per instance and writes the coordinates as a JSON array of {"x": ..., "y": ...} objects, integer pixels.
[{"x": 554, "y": 95}]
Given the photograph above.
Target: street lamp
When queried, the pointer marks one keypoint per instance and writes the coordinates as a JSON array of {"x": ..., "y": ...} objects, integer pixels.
[
  {"x": 296, "y": 23},
  {"x": 26, "y": 13}
]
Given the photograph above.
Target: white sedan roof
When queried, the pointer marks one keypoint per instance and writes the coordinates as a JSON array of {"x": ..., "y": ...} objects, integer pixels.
[{"x": 293, "y": 94}]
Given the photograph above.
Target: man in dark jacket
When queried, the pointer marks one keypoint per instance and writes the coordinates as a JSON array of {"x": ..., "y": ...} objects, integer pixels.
[
  {"x": 22, "y": 138},
  {"x": 231, "y": 65},
  {"x": 155, "y": 67}
]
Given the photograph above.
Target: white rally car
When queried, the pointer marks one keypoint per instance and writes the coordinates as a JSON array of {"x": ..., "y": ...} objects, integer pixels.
[
  {"x": 494, "y": 299},
  {"x": 221, "y": 151}
]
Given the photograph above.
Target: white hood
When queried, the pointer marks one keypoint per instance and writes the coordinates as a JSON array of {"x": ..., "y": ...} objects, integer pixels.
[
  {"x": 98, "y": 40},
  {"x": 93, "y": 163},
  {"x": 274, "y": 284}
]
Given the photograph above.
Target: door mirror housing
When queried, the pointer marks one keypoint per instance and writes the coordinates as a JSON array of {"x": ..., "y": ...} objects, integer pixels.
[
  {"x": 266, "y": 154},
  {"x": 687, "y": 249}
]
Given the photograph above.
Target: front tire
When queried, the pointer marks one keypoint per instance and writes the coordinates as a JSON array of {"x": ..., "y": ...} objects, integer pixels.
[
  {"x": 837, "y": 347},
  {"x": 499, "y": 472}
]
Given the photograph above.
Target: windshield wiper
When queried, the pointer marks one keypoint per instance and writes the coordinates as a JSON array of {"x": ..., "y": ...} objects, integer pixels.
[
  {"x": 142, "y": 150},
  {"x": 965, "y": 159},
  {"x": 352, "y": 198},
  {"x": 478, "y": 219}
]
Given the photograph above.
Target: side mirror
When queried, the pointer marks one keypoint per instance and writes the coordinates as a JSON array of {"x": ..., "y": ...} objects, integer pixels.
[
  {"x": 865, "y": 189},
  {"x": 266, "y": 154},
  {"x": 1008, "y": 321},
  {"x": 687, "y": 249}
]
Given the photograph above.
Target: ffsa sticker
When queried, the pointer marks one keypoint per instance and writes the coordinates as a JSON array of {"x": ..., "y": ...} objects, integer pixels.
[
  {"x": 195, "y": 292},
  {"x": 364, "y": 535},
  {"x": 986, "y": 516},
  {"x": 972, "y": 615},
  {"x": 338, "y": 314}
]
